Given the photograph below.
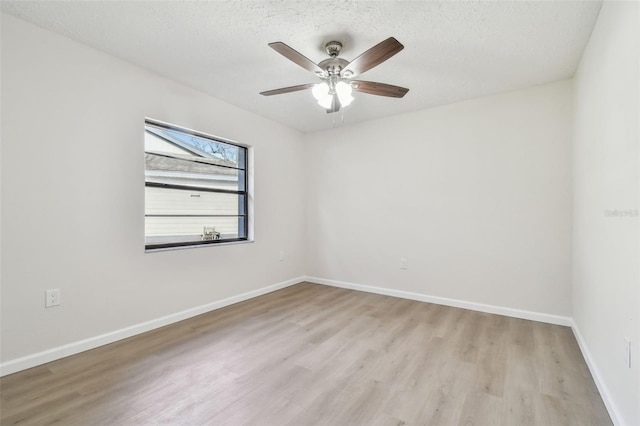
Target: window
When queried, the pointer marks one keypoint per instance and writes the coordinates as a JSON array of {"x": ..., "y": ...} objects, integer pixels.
[{"x": 195, "y": 188}]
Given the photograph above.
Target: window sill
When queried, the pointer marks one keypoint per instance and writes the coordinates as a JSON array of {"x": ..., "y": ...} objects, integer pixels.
[{"x": 153, "y": 250}]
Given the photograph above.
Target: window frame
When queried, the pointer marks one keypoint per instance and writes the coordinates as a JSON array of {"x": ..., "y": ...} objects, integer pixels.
[{"x": 244, "y": 216}]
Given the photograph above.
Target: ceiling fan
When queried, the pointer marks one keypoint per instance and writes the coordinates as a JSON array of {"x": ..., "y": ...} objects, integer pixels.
[{"x": 336, "y": 74}]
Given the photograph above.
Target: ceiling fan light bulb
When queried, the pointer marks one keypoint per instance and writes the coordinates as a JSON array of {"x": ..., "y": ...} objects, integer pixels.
[
  {"x": 344, "y": 90},
  {"x": 326, "y": 101},
  {"x": 320, "y": 91},
  {"x": 345, "y": 100}
]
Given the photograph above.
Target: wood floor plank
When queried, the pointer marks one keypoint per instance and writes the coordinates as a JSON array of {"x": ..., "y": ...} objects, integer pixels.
[
  {"x": 480, "y": 409},
  {"x": 444, "y": 404},
  {"x": 492, "y": 356},
  {"x": 316, "y": 355}
]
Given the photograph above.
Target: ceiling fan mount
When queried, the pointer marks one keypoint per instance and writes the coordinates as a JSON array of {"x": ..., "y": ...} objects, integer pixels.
[
  {"x": 333, "y": 48},
  {"x": 336, "y": 73}
]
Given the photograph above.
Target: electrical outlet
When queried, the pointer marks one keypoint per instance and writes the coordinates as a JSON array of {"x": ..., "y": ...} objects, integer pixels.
[
  {"x": 52, "y": 298},
  {"x": 627, "y": 352},
  {"x": 282, "y": 257},
  {"x": 403, "y": 263}
]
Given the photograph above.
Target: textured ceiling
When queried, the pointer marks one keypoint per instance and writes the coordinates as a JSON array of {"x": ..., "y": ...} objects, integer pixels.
[{"x": 453, "y": 50}]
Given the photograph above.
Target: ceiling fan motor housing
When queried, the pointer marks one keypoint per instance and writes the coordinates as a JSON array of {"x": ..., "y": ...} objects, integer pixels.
[{"x": 333, "y": 65}]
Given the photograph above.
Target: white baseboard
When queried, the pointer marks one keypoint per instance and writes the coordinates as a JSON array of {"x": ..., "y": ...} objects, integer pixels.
[
  {"x": 612, "y": 408},
  {"x": 491, "y": 309},
  {"x": 63, "y": 351}
]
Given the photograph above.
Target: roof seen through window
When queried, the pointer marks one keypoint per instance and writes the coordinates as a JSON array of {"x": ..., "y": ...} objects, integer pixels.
[{"x": 199, "y": 146}]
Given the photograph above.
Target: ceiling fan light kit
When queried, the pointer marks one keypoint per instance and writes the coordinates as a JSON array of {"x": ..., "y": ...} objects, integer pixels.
[
  {"x": 335, "y": 90},
  {"x": 325, "y": 91}
]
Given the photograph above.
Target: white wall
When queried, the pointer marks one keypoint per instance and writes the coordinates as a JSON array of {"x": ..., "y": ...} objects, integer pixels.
[
  {"x": 73, "y": 196},
  {"x": 606, "y": 289},
  {"x": 475, "y": 195}
]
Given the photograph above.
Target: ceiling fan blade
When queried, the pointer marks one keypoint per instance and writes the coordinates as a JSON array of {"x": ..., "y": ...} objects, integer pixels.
[
  {"x": 297, "y": 57},
  {"x": 372, "y": 57},
  {"x": 335, "y": 105},
  {"x": 288, "y": 89},
  {"x": 380, "y": 89}
]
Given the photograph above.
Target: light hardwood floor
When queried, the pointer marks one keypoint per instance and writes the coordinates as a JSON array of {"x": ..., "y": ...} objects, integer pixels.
[{"x": 316, "y": 355}]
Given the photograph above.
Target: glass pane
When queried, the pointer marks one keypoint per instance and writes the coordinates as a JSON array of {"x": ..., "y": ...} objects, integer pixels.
[
  {"x": 180, "y": 159},
  {"x": 242, "y": 158},
  {"x": 242, "y": 229},
  {"x": 167, "y": 230},
  {"x": 172, "y": 202},
  {"x": 172, "y": 170},
  {"x": 184, "y": 145}
]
